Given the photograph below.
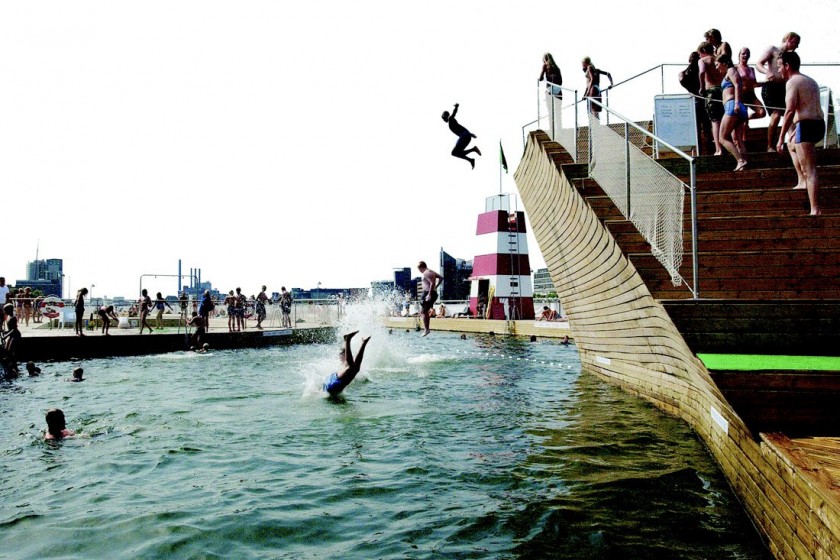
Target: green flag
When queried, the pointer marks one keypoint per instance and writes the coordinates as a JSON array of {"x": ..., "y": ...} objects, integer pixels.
[{"x": 502, "y": 156}]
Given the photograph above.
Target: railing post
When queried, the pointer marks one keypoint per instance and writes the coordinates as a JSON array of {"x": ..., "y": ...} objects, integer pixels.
[
  {"x": 662, "y": 78},
  {"x": 589, "y": 117},
  {"x": 553, "y": 132},
  {"x": 627, "y": 164},
  {"x": 538, "y": 103},
  {"x": 695, "y": 259},
  {"x": 577, "y": 148},
  {"x": 607, "y": 103}
]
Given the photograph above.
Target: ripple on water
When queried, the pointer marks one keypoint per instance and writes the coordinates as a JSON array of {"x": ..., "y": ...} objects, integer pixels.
[{"x": 483, "y": 448}]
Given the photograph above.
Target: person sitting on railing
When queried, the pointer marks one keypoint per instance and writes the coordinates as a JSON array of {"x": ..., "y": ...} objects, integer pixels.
[
  {"x": 735, "y": 113},
  {"x": 464, "y": 137},
  {"x": 551, "y": 74},
  {"x": 593, "y": 85},
  {"x": 711, "y": 74}
]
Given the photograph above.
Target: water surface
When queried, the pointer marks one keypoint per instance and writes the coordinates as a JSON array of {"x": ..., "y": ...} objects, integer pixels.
[{"x": 478, "y": 448}]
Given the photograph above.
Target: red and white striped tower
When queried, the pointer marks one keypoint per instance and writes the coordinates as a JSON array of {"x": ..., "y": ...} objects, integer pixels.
[{"x": 501, "y": 270}]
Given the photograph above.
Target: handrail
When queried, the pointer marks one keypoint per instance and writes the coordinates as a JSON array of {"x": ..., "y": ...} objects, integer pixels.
[
  {"x": 695, "y": 288},
  {"x": 552, "y": 131}
]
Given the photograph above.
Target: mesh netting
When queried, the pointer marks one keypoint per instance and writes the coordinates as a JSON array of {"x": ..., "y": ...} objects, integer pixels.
[{"x": 657, "y": 196}]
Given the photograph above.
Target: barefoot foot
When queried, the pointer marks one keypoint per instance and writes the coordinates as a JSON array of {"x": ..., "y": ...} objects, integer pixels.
[
  {"x": 477, "y": 150},
  {"x": 350, "y": 335},
  {"x": 425, "y": 333}
]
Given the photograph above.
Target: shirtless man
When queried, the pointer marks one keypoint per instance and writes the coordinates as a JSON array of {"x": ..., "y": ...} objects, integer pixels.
[
  {"x": 464, "y": 137},
  {"x": 338, "y": 381},
  {"x": 711, "y": 75},
  {"x": 721, "y": 47},
  {"x": 773, "y": 89},
  {"x": 803, "y": 112},
  {"x": 431, "y": 281}
]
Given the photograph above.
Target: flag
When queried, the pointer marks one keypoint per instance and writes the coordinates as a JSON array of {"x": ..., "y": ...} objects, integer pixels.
[{"x": 502, "y": 159}]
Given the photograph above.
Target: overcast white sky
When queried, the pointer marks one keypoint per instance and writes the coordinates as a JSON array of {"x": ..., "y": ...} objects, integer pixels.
[{"x": 298, "y": 142}]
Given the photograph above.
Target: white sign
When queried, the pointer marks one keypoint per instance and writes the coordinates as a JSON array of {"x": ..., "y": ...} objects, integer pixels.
[{"x": 674, "y": 121}]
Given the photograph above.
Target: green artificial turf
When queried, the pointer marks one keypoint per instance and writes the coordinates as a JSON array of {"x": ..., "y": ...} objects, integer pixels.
[{"x": 748, "y": 362}]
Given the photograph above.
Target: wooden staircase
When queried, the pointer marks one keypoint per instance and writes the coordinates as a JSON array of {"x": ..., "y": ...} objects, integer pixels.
[{"x": 769, "y": 280}]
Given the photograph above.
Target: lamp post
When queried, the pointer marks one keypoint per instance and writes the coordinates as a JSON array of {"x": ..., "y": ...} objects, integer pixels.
[
  {"x": 90, "y": 295},
  {"x": 318, "y": 293}
]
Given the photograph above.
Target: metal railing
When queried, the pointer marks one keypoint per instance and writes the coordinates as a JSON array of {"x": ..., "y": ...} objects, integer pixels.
[{"x": 655, "y": 210}]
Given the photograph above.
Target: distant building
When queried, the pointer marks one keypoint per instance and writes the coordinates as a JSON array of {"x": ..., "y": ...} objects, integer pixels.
[
  {"x": 402, "y": 281},
  {"x": 45, "y": 275},
  {"x": 542, "y": 282},
  {"x": 456, "y": 277}
]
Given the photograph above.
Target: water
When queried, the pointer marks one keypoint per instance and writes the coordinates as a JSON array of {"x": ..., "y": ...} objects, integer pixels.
[{"x": 478, "y": 448}]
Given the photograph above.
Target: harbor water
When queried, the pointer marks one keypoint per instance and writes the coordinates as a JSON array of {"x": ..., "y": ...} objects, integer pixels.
[{"x": 487, "y": 447}]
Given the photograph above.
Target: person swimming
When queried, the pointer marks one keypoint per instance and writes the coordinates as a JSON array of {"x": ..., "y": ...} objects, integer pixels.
[
  {"x": 338, "y": 381},
  {"x": 57, "y": 425}
]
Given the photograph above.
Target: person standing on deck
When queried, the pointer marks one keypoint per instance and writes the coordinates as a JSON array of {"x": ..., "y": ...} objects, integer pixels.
[
  {"x": 721, "y": 47},
  {"x": 286, "y": 307},
  {"x": 431, "y": 281},
  {"x": 711, "y": 75},
  {"x": 593, "y": 85},
  {"x": 804, "y": 114},
  {"x": 464, "y": 137},
  {"x": 259, "y": 307},
  {"x": 79, "y": 306},
  {"x": 145, "y": 309},
  {"x": 773, "y": 89}
]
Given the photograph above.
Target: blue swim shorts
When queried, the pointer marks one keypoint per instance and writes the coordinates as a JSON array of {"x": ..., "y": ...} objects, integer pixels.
[
  {"x": 812, "y": 130},
  {"x": 729, "y": 109},
  {"x": 334, "y": 385}
]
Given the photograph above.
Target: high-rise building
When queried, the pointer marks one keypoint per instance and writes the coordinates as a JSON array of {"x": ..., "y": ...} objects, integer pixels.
[
  {"x": 45, "y": 275},
  {"x": 543, "y": 285},
  {"x": 456, "y": 277}
]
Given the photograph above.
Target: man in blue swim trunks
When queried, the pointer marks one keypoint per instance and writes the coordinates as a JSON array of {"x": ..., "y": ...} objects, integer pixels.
[
  {"x": 464, "y": 137},
  {"x": 341, "y": 379},
  {"x": 804, "y": 113}
]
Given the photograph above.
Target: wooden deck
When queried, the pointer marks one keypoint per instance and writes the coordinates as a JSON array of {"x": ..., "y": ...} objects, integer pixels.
[{"x": 763, "y": 268}]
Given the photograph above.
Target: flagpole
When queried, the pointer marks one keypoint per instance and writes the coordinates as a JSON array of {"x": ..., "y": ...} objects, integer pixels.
[{"x": 500, "y": 168}]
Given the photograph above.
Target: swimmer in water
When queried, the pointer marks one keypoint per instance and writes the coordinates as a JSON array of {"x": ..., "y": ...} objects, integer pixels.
[
  {"x": 337, "y": 382},
  {"x": 78, "y": 376},
  {"x": 57, "y": 425}
]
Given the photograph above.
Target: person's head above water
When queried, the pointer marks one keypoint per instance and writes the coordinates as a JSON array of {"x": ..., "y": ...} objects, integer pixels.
[
  {"x": 78, "y": 374},
  {"x": 56, "y": 422}
]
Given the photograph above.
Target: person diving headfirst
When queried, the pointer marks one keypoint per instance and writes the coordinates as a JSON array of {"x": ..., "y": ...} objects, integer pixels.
[
  {"x": 464, "y": 137},
  {"x": 338, "y": 381}
]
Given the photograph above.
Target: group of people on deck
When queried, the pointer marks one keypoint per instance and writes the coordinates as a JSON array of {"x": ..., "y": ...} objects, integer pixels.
[{"x": 725, "y": 100}]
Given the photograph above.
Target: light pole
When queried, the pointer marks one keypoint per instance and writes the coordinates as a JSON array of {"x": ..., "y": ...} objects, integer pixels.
[
  {"x": 90, "y": 295},
  {"x": 318, "y": 294}
]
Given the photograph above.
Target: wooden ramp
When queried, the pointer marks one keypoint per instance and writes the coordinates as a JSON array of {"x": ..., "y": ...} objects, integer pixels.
[{"x": 625, "y": 314}]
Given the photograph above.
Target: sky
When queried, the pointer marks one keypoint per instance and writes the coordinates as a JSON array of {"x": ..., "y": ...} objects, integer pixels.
[{"x": 284, "y": 143}]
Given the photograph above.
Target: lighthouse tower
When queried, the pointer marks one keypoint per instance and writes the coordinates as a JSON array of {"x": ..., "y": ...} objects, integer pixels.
[{"x": 501, "y": 281}]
